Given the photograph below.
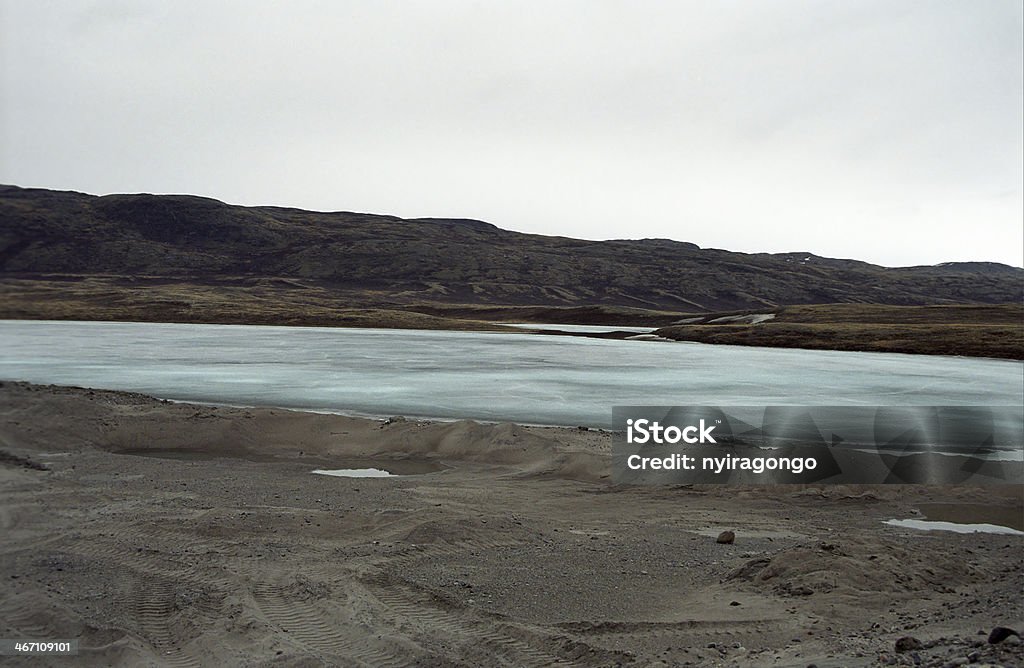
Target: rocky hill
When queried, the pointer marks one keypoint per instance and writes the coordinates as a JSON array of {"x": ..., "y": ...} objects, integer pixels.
[{"x": 58, "y": 235}]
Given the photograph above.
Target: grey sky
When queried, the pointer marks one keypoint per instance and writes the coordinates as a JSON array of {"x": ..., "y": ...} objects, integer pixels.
[{"x": 884, "y": 131}]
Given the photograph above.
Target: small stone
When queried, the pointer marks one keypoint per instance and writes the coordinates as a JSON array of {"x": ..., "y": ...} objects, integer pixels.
[
  {"x": 726, "y": 538},
  {"x": 730, "y": 603},
  {"x": 908, "y": 644},
  {"x": 999, "y": 634}
]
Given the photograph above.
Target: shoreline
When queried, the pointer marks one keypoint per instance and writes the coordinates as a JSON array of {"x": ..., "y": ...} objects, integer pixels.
[{"x": 985, "y": 331}]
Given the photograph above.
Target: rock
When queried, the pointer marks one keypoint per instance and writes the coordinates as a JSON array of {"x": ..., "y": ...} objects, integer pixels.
[
  {"x": 999, "y": 634},
  {"x": 908, "y": 644},
  {"x": 726, "y": 538}
]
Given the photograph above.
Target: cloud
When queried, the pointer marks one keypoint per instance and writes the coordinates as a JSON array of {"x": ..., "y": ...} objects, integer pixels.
[{"x": 886, "y": 132}]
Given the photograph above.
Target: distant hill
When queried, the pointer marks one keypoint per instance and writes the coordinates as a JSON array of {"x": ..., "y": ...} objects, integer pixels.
[{"x": 392, "y": 260}]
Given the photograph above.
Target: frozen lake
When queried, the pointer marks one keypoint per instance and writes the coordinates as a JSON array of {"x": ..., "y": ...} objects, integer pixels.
[{"x": 526, "y": 378}]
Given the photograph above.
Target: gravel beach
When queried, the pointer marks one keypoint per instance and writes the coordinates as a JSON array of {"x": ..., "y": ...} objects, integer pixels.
[{"x": 173, "y": 534}]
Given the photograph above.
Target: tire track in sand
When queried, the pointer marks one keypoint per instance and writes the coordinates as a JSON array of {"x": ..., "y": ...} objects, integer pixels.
[
  {"x": 150, "y": 586},
  {"x": 314, "y": 626},
  {"x": 481, "y": 638}
]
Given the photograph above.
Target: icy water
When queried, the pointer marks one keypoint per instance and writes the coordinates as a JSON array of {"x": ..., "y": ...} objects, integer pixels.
[
  {"x": 1005, "y": 518},
  {"x": 955, "y": 527},
  {"x": 356, "y": 473},
  {"x": 380, "y": 468},
  {"x": 537, "y": 379}
]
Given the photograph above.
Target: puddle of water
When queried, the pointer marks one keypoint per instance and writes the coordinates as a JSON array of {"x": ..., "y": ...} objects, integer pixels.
[
  {"x": 356, "y": 473},
  {"x": 380, "y": 468},
  {"x": 925, "y": 525},
  {"x": 975, "y": 513}
]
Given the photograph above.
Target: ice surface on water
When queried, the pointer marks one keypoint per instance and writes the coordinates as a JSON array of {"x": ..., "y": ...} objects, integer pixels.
[
  {"x": 490, "y": 376},
  {"x": 926, "y": 525},
  {"x": 356, "y": 473}
]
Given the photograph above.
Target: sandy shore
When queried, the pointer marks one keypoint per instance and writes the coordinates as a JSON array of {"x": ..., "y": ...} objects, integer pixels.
[{"x": 174, "y": 534}]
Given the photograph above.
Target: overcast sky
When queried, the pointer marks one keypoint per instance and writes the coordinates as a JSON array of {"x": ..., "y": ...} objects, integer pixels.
[{"x": 884, "y": 131}]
